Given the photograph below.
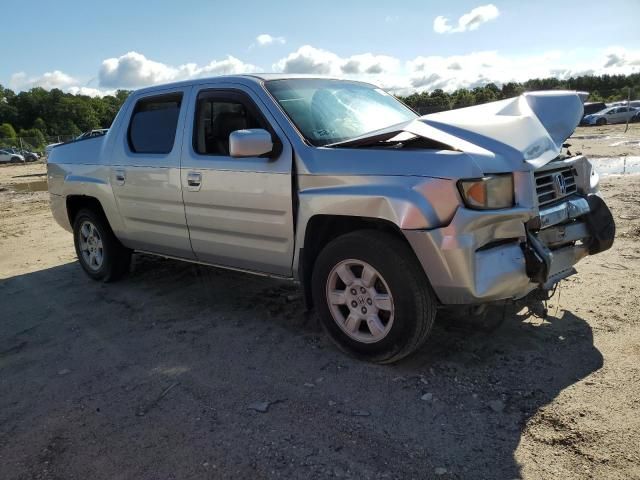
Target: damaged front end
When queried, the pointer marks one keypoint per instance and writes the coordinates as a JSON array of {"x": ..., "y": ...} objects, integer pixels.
[
  {"x": 557, "y": 217},
  {"x": 487, "y": 256},
  {"x": 572, "y": 223}
]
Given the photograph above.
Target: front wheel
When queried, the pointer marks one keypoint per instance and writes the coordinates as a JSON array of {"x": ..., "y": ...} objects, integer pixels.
[
  {"x": 100, "y": 253},
  {"x": 372, "y": 296},
  {"x": 601, "y": 121}
]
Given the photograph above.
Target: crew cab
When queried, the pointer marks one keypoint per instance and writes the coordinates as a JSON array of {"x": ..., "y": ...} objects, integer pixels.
[{"x": 383, "y": 216}]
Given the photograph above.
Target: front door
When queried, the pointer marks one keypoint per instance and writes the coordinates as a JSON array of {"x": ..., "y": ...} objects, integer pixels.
[
  {"x": 239, "y": 210},
  {"x": 146, "y": 174}
]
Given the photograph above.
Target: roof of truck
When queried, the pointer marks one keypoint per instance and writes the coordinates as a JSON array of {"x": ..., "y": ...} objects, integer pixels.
[{"x": 252, "y": 77}]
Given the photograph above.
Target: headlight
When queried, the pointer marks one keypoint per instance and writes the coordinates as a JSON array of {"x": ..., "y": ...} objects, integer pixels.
[{"x": 487, "y": 193}]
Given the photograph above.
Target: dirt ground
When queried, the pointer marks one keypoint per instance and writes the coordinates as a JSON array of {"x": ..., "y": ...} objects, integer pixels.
[{"x": 168, "y": 373}]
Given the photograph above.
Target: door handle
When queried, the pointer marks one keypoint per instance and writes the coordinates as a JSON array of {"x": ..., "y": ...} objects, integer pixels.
[
  {"x": 120, "y": 176},
  {"x": 194, "y": 181}
]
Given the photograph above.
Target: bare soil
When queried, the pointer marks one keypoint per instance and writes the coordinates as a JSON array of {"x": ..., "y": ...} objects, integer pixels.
[{"x": 168, "y": 373}]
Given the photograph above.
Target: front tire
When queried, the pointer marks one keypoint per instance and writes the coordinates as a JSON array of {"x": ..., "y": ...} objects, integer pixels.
[
  {"x": 99, "y": 252},
  {"x": 601, "y": 121},
  {"x": 372, "y": 296}
]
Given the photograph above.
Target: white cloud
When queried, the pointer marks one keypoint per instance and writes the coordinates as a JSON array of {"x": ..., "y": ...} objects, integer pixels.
[
  {"x": 308, "y": 59},
  {"x": 89, "y": 91},
  {"x": 618, "y": 57},
  {"x": 133, "y": 70},
  {"x": 264, "y": 39},
  {"x": 457, "y": 71},
  {"x": 48, "y": 81},
  {"x": 311, "y": 60},
  {"x": 469, "y": 21}
]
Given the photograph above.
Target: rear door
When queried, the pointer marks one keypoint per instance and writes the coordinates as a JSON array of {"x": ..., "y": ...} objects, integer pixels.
[
  {"x": 239, "y": 210},
  {"x": 146, "y": 174}
]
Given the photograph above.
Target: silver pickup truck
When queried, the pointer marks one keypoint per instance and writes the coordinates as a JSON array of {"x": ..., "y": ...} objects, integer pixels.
[{"x": 383, "y": 216}]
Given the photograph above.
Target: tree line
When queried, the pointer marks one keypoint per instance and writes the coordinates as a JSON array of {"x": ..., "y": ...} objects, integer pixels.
[
  {"x": 602, "y": 88},
  {"x": 38, "y": 114}
]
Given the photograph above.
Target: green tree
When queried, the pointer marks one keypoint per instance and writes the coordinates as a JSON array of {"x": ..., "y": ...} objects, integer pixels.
[{"x": 7, "y": 131}]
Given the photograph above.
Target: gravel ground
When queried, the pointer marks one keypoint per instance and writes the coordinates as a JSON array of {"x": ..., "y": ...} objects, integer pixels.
[{"x": 181, "y": 371}]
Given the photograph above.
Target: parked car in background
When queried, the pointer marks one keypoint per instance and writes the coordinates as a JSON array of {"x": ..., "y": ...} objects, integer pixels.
[
  {"x": 98, "y": 132},
  {"x": 7, "y": 156},
  {"x": 611, "y": 115},
  {"x": 92, "y": 133},
  {"x": 28, "y": 156},
  {"x": 593, "y": 107},
  {"x": 382, "y": 216}
]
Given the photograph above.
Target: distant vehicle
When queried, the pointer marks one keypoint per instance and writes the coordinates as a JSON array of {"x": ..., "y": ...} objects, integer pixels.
[
  {"x": 594, "y": 107},
  {"x": 91, "y": 133},
  {"x": 28, "y": 156},
  {"x": 611, "y": 115},
  {"x": 7, "y": 156}
]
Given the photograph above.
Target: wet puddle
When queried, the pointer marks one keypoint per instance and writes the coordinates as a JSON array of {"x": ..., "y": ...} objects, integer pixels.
[
  {"x": 35, "y": 186},
  {"x": 616, "y": 165}
]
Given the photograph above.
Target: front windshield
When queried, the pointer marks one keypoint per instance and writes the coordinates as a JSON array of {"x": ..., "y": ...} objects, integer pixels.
[{"x": 331, "y": 111}]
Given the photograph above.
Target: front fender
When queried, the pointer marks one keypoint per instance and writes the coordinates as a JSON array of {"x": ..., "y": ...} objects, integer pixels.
[{"x": 410, "y": 203}]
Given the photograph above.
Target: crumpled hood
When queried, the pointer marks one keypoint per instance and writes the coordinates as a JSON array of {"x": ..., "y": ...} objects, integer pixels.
[
  {"x": 516, "y": 134},
  {"x": 529, "y": 128}
]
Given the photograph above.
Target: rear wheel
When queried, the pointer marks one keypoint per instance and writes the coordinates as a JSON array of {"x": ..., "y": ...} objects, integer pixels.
[
  {"x": 100, "y": 253},
  {"x": 372, "y": 296}
]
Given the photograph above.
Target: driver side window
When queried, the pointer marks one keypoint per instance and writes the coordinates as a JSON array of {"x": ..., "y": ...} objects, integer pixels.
[{"x": 216, "y": 117}]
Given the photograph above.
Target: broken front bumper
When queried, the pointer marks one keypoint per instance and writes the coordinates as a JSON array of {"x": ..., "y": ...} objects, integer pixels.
[{"x": 484, "y": 256}]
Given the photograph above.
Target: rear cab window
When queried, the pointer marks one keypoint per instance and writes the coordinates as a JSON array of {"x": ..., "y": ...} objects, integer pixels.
[{"x": 153, "y": 124}]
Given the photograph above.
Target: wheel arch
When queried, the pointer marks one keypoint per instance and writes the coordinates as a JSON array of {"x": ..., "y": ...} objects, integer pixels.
[
  {"x": 75, "y": 203},
  {"x": 322, "y": 229}
]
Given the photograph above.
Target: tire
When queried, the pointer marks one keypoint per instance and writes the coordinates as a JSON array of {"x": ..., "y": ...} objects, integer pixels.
[
  {"x": 389, "y": 328},
  {"x": 99, "y": 252},
  {"x": 601, "y": 121},
  {"x": 15, "y": 160}
]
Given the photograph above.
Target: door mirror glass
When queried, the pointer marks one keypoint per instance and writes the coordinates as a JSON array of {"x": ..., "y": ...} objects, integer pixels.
[{"x": 251, "y": 142}]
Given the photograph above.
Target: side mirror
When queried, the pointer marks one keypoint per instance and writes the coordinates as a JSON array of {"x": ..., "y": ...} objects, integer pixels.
[{"x": 252, "y": 142}]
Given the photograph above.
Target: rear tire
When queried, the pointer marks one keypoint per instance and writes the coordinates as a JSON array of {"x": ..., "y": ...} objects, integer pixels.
[
  {"x": 99, "y": 252},
  {"x": 391, "y": 313}
]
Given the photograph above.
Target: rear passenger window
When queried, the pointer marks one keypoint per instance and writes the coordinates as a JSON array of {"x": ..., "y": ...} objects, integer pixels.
[
  {"x": 216, "y": 117},
  {"x": 153, "y": 124}
]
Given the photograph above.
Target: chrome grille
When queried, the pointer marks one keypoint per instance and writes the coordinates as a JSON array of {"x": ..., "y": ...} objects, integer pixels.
[{"x": 552, "y": 185}]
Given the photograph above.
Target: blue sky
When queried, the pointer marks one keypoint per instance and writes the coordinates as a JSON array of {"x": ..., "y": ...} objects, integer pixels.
[{"x": 99, "y": 46}]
